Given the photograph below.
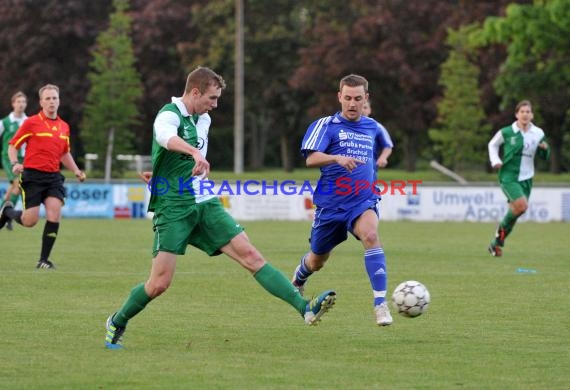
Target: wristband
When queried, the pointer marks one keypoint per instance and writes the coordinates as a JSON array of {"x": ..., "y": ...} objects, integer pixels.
[{"x": 14, "y": 162}]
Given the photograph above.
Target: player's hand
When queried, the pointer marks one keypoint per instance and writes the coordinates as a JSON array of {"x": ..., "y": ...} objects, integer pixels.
[
  {"x": 201, "y": 167},
  {"x": 497, "y": 166},
  {"x": 382, "y": 162},
  {"x": 146, "y": 176},
  {"x": 543, "y": 145},
  {"x": 348, "y": 163},
  {"x": 80, "y": 175},
  {"x": 17, "y": 168}
]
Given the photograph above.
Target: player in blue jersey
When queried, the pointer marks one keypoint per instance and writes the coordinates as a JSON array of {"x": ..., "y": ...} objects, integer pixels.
[{"x": 348, "y": 147}]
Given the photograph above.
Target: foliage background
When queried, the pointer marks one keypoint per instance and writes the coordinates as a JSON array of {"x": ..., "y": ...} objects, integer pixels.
[{"x": 295, "y": 54}]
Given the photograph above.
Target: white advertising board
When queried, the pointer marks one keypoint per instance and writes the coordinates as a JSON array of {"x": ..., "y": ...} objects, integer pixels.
[
  {"x": 289, "y": 201},
  {"x": 474, "y": 204},
  {"x": 429, "y": 203}
]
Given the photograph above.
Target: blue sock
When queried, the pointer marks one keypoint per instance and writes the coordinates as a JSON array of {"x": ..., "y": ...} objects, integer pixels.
[
  {"x": 375, "y": 263},
  {"x": 303, "y": 272}
]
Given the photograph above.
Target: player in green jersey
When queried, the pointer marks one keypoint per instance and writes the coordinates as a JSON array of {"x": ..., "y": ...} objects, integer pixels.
[
  {"x": 521, "y": 142},
  {"x": 182, "y": 216},
  {"x": 8, "y": 127}
]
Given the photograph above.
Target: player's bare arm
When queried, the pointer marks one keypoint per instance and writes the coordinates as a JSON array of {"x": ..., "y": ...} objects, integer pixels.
[
  {"x": 146, "y": 176},
  {"x": 319, "y": 159},
  {"x": 383, "y": 158},
  {"x": 17, "y": 168},
  {"x": 68, "y": 162},
  {"x": 201, "y": 167}
]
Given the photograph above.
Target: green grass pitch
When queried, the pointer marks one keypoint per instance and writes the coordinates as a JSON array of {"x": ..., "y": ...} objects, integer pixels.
[{"x": 488, "y": 326}]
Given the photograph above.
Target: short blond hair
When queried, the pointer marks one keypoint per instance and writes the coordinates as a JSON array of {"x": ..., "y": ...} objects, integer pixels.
[
  {"x": 48, "y": 86},
  {"x": 201, "y": 78}
]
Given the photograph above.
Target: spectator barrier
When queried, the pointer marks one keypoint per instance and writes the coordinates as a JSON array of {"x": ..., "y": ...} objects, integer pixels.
[{"x": 427, "y": 203}]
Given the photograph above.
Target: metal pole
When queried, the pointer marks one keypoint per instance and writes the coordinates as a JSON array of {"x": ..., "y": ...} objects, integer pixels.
[{"x": 239, "y": 90}]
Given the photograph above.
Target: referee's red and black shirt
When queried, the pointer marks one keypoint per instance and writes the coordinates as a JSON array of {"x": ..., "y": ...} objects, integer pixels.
[{"x": 47, "y": 140}]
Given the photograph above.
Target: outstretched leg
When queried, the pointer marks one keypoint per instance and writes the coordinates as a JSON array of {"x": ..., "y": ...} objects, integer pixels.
[{"x": 274, "y": 281}]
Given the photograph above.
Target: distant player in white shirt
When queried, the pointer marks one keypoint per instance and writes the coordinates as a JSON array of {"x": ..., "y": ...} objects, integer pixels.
[
  {"x": 521, "y": 142},
  {"x": 8, "y": 127}
]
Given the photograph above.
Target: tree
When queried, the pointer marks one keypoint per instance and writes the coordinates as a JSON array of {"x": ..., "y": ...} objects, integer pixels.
[
  {"x": 460, "y": 135},
  {"x": 398, "y": 46},
  {"x": 273, "y": 111},
  {"x": 111, "y": 109},
  {"x": 49, "y": 42},
  {"x": 295, "y": 54},
  {"x": 159, "y": 29},
  {"x": 273, "y": 47},
  {"x": 537, "y": 66}
]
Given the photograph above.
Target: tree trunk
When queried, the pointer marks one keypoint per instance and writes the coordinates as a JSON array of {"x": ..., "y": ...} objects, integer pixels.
[
  {"x": 556, "y": 124},
  {"x": 286, "y": 156},
  {"x": 555, "y": 157},
  {"x": 109, "y": 156},
  {"x": 410, "y": 154},
  {"x": 262, "y": 144},
  {"x": 254, "y": 147},
  {"x": 258, "y": 143}
]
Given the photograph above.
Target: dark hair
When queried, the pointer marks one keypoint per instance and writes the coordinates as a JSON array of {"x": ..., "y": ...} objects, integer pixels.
[
  {"x": 521, "y": 104},
  {"x": 354, "y": 80},
  {"x": 17, "y": 95},
  {"x": 202, "y": 78}
]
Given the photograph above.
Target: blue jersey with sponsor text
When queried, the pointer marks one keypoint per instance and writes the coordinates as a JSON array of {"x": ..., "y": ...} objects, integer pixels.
[{"x": 363, "y": 139}]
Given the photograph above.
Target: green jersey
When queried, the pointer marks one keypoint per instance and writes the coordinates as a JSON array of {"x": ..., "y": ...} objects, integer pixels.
[
  {"x": 172, "y": 181},
  {"x": 8, "y": 127},
  {"x": 519, "y": 150}
]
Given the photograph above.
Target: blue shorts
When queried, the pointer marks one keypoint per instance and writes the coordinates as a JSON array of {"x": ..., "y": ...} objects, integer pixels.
[{"x": 330, "y": 226}]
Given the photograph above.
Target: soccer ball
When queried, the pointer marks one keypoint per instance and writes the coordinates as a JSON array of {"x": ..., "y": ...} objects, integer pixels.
[{"x": 411, "y": 298}]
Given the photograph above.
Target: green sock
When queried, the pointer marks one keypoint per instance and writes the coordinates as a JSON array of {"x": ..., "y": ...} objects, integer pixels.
[
  {"x": 136, "y": 301},
  {"x": 508, "y": 222},
  {"x": 278, "y": 285},
  {"x": 14, "y": 198}
]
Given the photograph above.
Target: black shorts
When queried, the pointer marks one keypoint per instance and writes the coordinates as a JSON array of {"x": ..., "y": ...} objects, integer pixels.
[{"x": 37, "y": 186}]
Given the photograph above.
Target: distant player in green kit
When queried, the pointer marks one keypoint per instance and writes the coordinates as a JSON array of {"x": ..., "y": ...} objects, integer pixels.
[
  {"x": 182, "y": 216},
  {"x": 8, "y": 127},
  {"x": 521, "y": 141}
]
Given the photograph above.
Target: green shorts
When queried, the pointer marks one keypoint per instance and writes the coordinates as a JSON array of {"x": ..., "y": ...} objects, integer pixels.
[
  {"x": 8, "y": 168},
  {"x": 206, "y": 226},
  {"x": 517, "y": 189}
]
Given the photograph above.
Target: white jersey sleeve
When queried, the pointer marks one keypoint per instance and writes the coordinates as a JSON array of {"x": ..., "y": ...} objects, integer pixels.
[
  {"x": 494, "y": 146},
  {"x": 165, "y": 127}
]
